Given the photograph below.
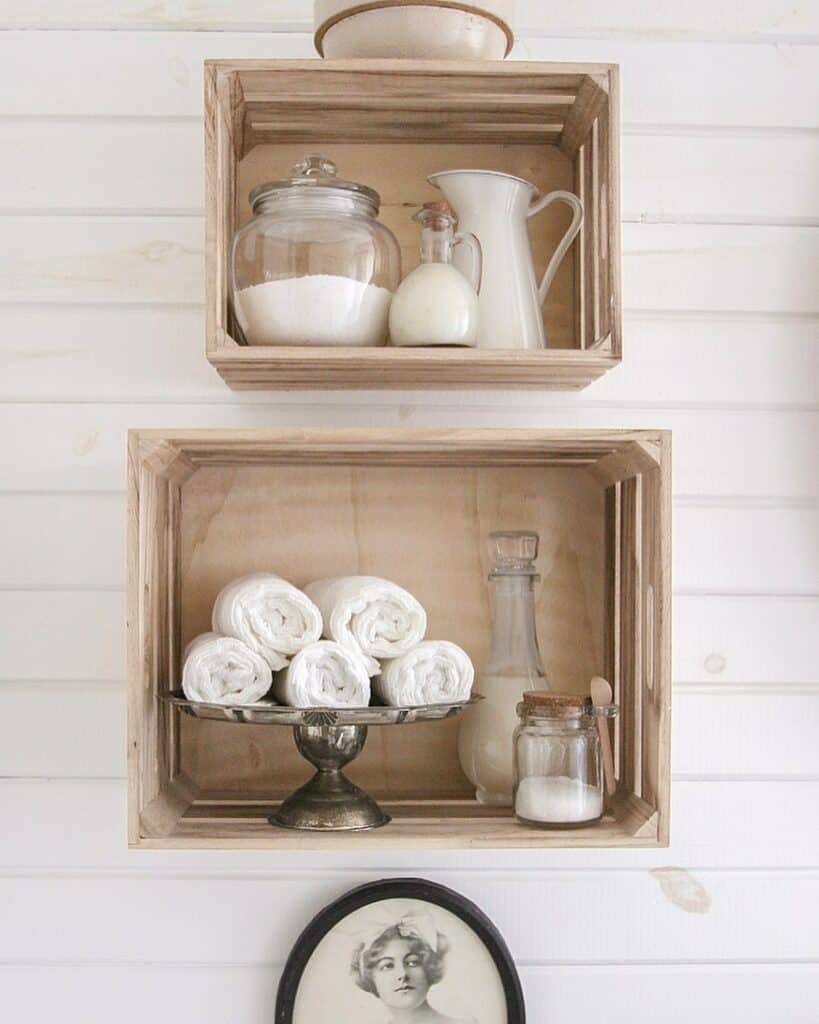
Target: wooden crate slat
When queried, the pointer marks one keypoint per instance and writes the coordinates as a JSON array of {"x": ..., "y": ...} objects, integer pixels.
[
  {"x": 386, "y": 128},
  {"x": 410, "y": 78},
  {"x": 589, "y": 104}
]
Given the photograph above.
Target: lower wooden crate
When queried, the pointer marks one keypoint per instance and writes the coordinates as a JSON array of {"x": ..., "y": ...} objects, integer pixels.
[{"x": 416, "y": 507}]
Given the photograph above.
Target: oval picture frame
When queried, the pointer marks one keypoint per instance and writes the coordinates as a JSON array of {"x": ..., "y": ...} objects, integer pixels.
[{"x": 410, "y": 891}]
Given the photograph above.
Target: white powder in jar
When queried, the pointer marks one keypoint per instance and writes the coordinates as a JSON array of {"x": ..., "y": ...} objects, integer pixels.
[
  {"x": 557, "y": 800},
  {"x": 319, "y": 309}
]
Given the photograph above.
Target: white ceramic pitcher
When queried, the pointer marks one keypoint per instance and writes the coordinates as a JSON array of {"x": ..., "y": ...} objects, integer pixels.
[{"x": 495, "y": 207}]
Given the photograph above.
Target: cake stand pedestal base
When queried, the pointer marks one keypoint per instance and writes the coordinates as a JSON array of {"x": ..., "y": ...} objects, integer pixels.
[{"x": 329, "y": 802}]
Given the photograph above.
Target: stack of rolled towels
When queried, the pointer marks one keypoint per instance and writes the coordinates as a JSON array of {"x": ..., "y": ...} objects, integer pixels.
[{"x": 267, "y": 642}]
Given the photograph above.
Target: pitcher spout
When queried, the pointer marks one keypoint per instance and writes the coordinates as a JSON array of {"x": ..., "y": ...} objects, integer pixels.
[{"x": 471, "y": 188}]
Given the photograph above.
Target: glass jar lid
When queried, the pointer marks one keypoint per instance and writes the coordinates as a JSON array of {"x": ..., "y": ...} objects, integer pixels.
[{"x": 314, "y": 173}]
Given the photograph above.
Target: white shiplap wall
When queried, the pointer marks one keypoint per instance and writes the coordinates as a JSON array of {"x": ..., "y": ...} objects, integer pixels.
[{"x": 101, "y": 291}]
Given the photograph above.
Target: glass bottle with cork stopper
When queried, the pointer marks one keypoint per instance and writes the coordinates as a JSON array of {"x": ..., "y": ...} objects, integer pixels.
[
  {"x": 485, "y": 739},
  {"x": 435, "y": 304}
]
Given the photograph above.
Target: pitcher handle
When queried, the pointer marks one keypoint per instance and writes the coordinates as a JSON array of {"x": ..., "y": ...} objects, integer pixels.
[
  {"x": 476, "y": 265},
  {"x": 565, "y": 242}
]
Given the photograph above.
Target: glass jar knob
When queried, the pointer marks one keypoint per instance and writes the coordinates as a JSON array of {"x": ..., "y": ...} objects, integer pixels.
[{"x": 314, "y": 165}]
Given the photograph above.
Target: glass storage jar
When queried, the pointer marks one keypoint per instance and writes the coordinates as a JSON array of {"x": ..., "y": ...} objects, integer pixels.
[
  {"x": 558, "y": 760},
  {"x": 314, "y": 266}
]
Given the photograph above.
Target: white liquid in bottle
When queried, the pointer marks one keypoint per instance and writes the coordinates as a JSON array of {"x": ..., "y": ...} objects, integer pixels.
[{"x": 435, "y": 304}]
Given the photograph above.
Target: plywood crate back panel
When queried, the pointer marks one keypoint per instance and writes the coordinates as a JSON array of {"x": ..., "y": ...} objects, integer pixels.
[
  {"x": 399, "y": 174},
  {"x": 389, "y": 124},
  {"x": 426, "y": 529},
  {"x": 416, "y": 507}
]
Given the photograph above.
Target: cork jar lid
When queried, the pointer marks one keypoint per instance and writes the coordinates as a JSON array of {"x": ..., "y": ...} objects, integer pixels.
[
  {"x": 545, "y": 704},
  {"x": 547, "y": 700}
]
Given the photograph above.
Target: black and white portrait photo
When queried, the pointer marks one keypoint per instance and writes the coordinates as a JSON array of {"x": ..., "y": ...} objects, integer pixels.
[{"x": 402, "y": 951}]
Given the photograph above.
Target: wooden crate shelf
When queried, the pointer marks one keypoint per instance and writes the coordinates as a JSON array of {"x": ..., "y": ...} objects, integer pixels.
[
  {"x": 389, "y": 124},
  {"x": 416, "y": 507}
]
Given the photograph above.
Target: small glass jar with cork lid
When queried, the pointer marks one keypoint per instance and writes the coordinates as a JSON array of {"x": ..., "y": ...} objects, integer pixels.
[{"x": 559, "y": 780}]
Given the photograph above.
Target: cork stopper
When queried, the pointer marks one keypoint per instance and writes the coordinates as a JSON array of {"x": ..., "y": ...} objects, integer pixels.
[
  {"x": 439, "y": 206},
  {"x": 437, "y": 215},
  {"x": 549, "y": 701}
]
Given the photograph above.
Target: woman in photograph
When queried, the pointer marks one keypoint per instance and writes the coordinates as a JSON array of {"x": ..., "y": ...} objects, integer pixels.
[{"x": 399, "y": 964}]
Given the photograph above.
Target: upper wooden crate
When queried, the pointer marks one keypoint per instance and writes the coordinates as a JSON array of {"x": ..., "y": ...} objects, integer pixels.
[
  {"x": 416, "y": 507},
  {"x": 389, "y": 124}
]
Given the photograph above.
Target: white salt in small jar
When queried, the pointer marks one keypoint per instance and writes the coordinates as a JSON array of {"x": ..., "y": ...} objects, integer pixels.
[
  {"x": 558, "y": 761},
  {"x": 314, "y": 265}
]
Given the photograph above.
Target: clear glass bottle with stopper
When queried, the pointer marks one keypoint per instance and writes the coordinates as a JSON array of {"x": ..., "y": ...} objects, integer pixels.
[
  {"x": 435, "y": 304},
  {"x": 485, "y": 740}
]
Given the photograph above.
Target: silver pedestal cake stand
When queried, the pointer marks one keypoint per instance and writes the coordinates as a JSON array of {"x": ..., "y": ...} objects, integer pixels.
[{"x": 329, "y": 738}]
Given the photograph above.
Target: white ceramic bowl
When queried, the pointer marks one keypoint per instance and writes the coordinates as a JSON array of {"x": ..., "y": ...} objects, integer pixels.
[{"x": 429, "y": 31}]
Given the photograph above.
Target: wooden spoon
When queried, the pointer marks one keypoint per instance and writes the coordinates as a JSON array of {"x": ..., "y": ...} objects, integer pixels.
[{"x": 601, "y": 695}]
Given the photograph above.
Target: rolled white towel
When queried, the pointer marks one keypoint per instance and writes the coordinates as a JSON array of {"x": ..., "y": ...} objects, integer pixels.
[
  {"x": 434, "y": 672},
  {"x": 324, "y": 675},
  {"x": 270, "y": 615},
  {"x": 371, "y": 617},
  {"x": 223, "y": 670}
]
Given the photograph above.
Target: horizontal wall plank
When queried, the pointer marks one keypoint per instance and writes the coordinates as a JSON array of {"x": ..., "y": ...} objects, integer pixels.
[
  {"x": 213, "y": 994},
  {"x": 718, "y": 639},
  {"x": 62, "y": 635},
  {"x": 145, "y": 74},
  {"x": 67, "y": 730},
  {"x": 79, "y": 540},
  {"x": 692, "y": 84},
  {"x": 690, "y": 359},
  {"x": 160, "y": 260},
  {"x": 73, "y": 540},
  {"x": 740, "y": 917},
  {"x": 98, "y": 353},
  {"x": 758, "y": 994},
  {"x": 753, "y": 550},
  {"x": 151, "y": 165},
  {"x": 103, "y": 259},
  {"x": 78, "y": 730},
  {"x": 716, "y": 453},
  {"x": 144, "y": 354},
  {"x": 672, "y": 176},
  {"x": 705, "y": 267},
  {"x": 765, "y": 18},
  {"x": 147, "y": 166},
  {"x": 160, "y": 74},
  {"x": 94, "y": 993},
  {"x": 722, "y": 733},
  {"x": 768, "y": 18},
  {"x": 714, "y": 825},
  {"x": 745, "y": 640},
  {"x": 203, "y": 15}
]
